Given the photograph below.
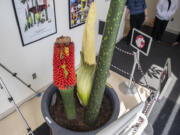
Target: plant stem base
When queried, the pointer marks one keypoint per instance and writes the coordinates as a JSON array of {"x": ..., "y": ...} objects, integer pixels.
[{"x": 69, "y": 105}]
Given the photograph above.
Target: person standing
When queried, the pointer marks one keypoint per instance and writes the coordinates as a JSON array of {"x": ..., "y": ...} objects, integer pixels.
[
  {"x": 177, "y": 41},
  {"x": 165, "y": 10},
  {"x": 138, "y": 14}
]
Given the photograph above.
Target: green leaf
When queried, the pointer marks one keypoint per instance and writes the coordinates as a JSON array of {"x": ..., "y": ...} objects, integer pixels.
[{"x": 84, "y": 81}]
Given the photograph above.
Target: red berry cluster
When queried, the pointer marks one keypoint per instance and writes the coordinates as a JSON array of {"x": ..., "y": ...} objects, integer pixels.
[{"x": 63, "y": 63}]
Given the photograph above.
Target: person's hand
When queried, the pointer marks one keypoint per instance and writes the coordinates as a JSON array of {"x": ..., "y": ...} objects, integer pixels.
[
  {"x": 146, "y": 19},
  {"x": 127, "y": 14},
  {"x": 126, "y": 18},
  {"x": 146, "y": 15}
]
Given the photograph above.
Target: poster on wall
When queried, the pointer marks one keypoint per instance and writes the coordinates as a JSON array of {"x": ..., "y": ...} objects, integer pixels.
[
  {"x": 78, "y": 11},
  {"x": 35, "y": 18}
]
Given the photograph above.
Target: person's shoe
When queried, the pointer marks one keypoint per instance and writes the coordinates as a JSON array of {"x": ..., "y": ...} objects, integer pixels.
[{"x": 175, "y": 43}]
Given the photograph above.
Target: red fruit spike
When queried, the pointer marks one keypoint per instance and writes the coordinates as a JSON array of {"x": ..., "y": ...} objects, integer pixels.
[{"x": 59, "y": 72}]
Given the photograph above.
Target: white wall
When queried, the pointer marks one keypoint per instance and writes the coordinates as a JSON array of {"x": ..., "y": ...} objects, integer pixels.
[
  {"x": 36, "y": 57},
  {"x": 102, "y": 16},
  {"x": 174, "y": 26}
]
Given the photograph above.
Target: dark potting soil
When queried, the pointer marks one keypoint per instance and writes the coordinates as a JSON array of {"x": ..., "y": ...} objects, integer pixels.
[{"x": 58, "y": 114}]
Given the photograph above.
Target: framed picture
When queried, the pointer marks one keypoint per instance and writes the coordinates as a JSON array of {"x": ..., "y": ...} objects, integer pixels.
[
  {"x": 35, "y": 18},
  {"x": 78, "y": 11},
  {"x": 141, "y": 41}
]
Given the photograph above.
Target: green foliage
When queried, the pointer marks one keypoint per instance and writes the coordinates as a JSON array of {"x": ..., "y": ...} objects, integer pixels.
[
  {"x": 84, "y": 81},
  {"x": 88, "y": 58},
  {"x": 38, "y": 16},
  {"x": 68, "y": 101},
  {"x": 30, "y": 20},
  {"x": 113, "y": 20}
]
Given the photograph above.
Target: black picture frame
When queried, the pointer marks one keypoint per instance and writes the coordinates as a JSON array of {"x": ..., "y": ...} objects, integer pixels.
[
  {"x": 36, "y": 19},
  {"x": 78, "y": 11}
]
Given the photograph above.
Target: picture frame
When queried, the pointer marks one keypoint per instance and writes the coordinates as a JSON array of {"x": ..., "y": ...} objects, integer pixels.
[
  {"x": 78, "y": 11},
  {"x": 141, "y": 41},
  {"x": 36, "y": 19}
]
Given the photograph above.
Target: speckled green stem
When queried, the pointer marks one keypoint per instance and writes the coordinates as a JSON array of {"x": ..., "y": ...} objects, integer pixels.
[
  {"x": 69, "y": 104},
  {"x": 113, "y": 20}
]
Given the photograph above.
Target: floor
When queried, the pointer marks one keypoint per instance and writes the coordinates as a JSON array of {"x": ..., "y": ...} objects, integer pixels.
[
  {"x": 14, "y": 125},
  {"x": 166, "y": 113}
]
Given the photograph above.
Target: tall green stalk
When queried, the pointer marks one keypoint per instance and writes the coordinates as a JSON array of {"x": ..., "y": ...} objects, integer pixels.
[
  {"x": 113, "y": 20},
  {"x": 68, "y": 101}
]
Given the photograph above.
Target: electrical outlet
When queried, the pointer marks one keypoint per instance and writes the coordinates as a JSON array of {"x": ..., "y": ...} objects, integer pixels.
[{"x": 34, "y": 76}]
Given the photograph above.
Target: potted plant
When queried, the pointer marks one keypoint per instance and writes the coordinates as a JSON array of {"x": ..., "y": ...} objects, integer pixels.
[{"x": 91, "y": 77}]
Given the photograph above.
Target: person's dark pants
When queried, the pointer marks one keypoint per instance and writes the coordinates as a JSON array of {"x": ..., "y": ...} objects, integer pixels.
[
  {"x": 178, "y": 38},
  {"x": 159, "y": 28},
  {"x": 136, "y": 21}
]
